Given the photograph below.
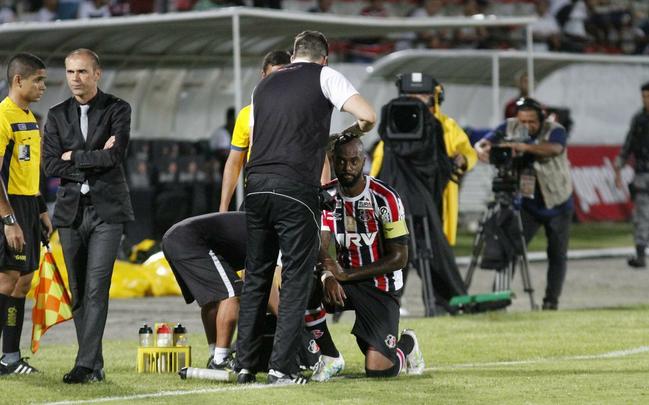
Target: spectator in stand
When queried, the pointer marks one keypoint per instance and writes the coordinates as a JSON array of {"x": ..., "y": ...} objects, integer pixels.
[
  {"x": 471, "y": 37},
  {"x": 48, "y": 12},
  {"x": 203, "y": 5},
  {"x": 7, "y": 13},
  {"x": 69, "y": 9},
  {"x": 366, "y": 50},
  {"x": 94, "y": 9},
  {"x": 438, "y": 38},
  {"x": 375, "y": 8},
  {"x": 523, "y": 91},
  {"x": 277, "y": 4},
  {"x": 572, "y": 20},
  {"x": 547, "y": 34},
  {"x": 323, "y": 6}
]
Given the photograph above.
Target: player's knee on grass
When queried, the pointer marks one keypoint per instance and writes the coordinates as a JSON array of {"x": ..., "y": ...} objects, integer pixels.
[{"x": 379, "y": 366}]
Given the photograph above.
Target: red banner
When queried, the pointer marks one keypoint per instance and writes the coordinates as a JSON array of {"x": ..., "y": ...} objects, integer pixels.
[{"x": 596, "y": 196}]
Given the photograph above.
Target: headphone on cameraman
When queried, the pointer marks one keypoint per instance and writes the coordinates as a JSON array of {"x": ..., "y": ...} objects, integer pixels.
[
  {"x": 439, "y": 94},
  {"x": 528, "y": 103}
]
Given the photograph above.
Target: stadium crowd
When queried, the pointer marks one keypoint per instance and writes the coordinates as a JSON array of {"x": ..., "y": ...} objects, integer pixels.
[{"x": 589, "y": 26}]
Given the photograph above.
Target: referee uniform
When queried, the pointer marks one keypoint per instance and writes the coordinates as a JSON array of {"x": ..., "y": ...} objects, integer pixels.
[
  {"x": 291, "y": 116},
  {"x": 20, "y": 145}
]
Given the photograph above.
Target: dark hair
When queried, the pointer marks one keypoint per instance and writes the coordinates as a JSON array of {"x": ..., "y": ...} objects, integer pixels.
[
  {"x": 529, "y": 104},
  {"x": 87, "y": 52},
  {"x": 344, "y": 140},
  {"x": 311, "y": 45},
  {"x": 645, "y": 87},
  {"x": 23, "y": 64},
  {"x": 275, "y": 58}
]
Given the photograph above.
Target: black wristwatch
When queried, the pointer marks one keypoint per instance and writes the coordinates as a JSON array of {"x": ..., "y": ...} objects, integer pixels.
[{"x": 9, "y": 219}]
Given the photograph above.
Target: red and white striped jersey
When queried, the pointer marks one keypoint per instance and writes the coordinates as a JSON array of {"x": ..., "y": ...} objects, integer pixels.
[{"x": 360, "y": 225}]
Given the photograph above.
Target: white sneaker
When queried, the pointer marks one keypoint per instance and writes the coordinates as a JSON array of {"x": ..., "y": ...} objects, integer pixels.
[
  {"x": 327, "y": 367},
  {"x": 415, "y": 359}
]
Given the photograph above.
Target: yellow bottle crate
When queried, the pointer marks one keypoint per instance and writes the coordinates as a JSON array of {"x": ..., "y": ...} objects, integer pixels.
[{"x": 163, "y": 359}]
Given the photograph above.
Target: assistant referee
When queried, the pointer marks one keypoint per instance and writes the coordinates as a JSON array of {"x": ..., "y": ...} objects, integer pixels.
[{"x": 290, "y": 129}]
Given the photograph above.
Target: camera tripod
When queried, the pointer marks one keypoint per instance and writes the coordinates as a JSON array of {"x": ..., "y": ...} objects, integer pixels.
[
  {"x": 421, "y": 256},
  {"x": 504, "y": 276}
]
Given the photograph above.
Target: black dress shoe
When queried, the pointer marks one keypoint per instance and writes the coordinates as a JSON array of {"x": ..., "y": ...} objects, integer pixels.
[
  {"x": 79, "y": 375},
  {"x": 637, "y": 262},
  {"x": 98, "y": 375}
]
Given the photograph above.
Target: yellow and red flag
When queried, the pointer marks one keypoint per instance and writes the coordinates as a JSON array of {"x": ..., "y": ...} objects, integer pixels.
[{"x": 52, "y": 300}]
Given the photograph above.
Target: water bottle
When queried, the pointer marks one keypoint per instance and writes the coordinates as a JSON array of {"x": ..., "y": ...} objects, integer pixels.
[
  {"x": 146, "y": 336},
  {"x": 207, "y": 374},
  {"x": 180, "y": 335},
  {"x": 165, "y": 338}
]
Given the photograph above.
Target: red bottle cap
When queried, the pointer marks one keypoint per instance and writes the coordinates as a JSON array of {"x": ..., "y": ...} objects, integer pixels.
[{"x": 164, "y": 328}]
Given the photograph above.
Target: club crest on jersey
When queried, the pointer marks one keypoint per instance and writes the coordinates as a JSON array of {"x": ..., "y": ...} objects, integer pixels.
[
  {"x": 391, "y": 341},
  {"x": 365, "y": 215},
  {"x": 385, "y": 214},
  {"x": 313, "y": 347},
  {"x": 356, "y": 239},
  {"x": 317, "y": 333}
]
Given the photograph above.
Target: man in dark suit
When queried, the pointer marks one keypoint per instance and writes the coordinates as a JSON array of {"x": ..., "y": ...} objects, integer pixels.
[{"x": 84, "y": 144}]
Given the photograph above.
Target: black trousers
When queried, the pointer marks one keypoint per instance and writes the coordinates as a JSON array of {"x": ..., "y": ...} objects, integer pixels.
[
  {"x": 280, "y": 215},
  {"x": 90, "y": 248},
  {"x": 557, "y": 232}
]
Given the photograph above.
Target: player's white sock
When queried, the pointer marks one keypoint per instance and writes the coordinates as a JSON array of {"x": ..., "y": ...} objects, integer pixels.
[{"x": 220, "y": 354}]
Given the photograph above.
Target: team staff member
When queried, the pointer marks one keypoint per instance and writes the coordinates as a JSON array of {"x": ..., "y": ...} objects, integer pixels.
[
  {"x": 458, "y": 148},
  {"x": 636, "y": 143},
  {"x": 23, "y": 210},
  {"x": 85, "y": 142},
  {"x": 205, "y": 252},
  {"x": 369, "y": 228},
  {"x": 549, "y": 204},
  {"x": 239, "y": 147},
  {"x": 290, "y": 120}
]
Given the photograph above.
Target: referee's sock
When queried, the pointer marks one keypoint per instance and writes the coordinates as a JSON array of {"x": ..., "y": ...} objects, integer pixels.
[
  {"x": 15, "y": 315},
  {"x": 3, "y": 311}
]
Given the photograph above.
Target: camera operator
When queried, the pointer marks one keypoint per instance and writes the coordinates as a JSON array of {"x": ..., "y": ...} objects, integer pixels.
[
  {"x": 546, "y": 187},
  {"x": 459, "y": 150}
]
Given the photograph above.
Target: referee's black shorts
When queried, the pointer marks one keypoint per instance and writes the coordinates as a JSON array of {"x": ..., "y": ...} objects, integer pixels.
[
  {"x": 204, "y": 255},
  {"x": 377, "y": 317},
  {"x": 28, "y": 217}
]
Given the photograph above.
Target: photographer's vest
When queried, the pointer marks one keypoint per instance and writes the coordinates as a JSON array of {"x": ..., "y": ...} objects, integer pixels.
[{"x": 552, "y": 173}]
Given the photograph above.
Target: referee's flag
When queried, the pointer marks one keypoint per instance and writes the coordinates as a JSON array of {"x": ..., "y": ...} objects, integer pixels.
[{"x": 51, "y": 300}]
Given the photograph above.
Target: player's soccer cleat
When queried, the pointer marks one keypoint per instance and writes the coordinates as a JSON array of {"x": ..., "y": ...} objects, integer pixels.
[
  {"x": 19, "y": 367},
  {"x": 415, "y": 359},
  {"x": 227, "y": 363},
  {"x": 328, "y": 367},
  {"x": 279, "y": 378}
]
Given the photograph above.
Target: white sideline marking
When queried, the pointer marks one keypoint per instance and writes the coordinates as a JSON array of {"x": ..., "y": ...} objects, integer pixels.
[{"x": 608, "y": 355}]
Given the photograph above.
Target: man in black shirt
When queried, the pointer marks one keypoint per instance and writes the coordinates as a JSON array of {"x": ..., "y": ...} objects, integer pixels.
[{"x": 290, "y": 120}]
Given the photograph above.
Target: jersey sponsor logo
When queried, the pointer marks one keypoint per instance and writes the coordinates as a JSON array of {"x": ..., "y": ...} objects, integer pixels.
[
  {"x": 356, "y": 239},
  {"x": 365, "y": 205},
  {"x": 391, "y": 341}
]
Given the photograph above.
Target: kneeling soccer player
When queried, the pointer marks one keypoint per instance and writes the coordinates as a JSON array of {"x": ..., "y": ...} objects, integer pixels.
[{"x": 371, "y": 238}]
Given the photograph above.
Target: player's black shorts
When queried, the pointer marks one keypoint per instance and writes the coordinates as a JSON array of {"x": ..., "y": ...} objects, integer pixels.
[
  {"x": 28, "y": 217},
  {"x": 204, "y": 253},
  {"x": 377, "y": 317}
]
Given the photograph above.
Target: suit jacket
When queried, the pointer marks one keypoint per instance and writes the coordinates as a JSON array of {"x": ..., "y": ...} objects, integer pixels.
[{"x": 102, "y": 168}]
